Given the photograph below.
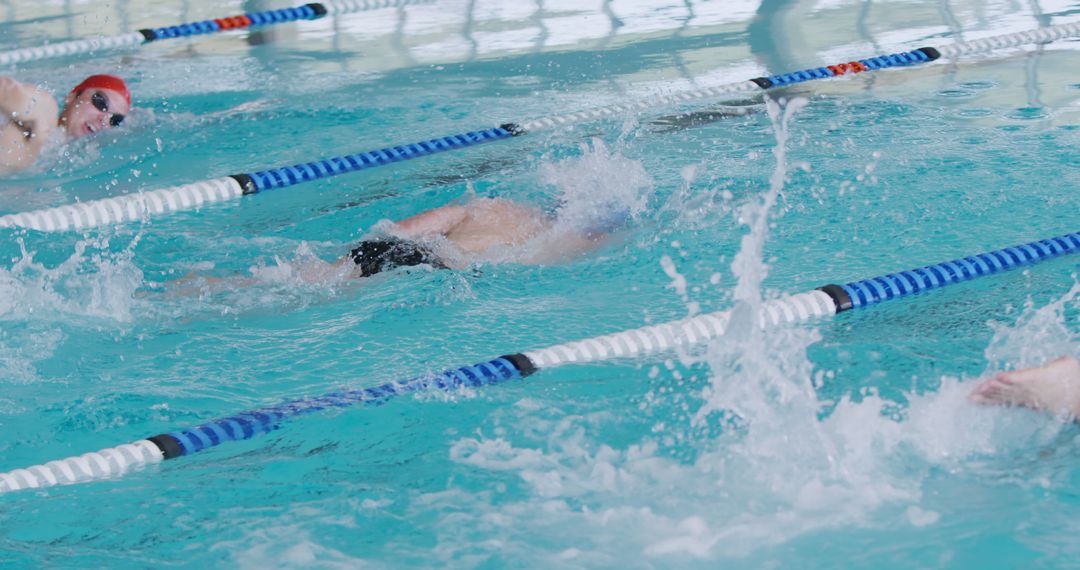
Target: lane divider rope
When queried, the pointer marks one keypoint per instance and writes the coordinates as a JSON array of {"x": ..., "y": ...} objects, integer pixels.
[
  {"x": 312, "y": 11},
  {"x": 107, "y": 211},
  {"x": 821, "y": 302}
]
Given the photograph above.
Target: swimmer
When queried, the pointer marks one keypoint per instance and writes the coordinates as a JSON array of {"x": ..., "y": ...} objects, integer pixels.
[
  {"x": 692, "y": 119},
  {"x": 1052, "y": 388},
  {"x": 481, "y": 229},
  {"x": 29, "y": 116},
  {"x": 492, "y": 230}
]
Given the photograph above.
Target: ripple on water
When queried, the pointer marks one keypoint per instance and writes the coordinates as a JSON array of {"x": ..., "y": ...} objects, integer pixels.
[
  {"x": 978, "y": 85},
  {"x": 1028, "y": 113},
  {"x": 974, "y": 112},
  {"x": 956, "y": 93}
]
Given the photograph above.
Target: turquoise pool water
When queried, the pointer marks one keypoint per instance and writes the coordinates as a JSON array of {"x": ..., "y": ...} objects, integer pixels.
[{"x": 848, "y": 440}]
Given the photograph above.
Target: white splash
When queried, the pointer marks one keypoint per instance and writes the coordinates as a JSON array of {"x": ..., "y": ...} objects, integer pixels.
[
  {"x": 599, "y": 189},
  {"x": 30, "y": 290},
  {"x": 1039, "y": 335}
]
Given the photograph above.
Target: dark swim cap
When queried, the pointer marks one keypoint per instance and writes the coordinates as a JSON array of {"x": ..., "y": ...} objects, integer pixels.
[{"x": 376, "y": 256}]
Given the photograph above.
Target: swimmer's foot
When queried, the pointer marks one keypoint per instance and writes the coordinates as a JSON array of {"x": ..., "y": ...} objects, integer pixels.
[{"x": 1053, "y": 388}]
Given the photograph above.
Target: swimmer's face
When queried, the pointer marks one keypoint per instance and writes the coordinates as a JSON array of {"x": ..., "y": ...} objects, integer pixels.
[{"x": 93, "y": 110}]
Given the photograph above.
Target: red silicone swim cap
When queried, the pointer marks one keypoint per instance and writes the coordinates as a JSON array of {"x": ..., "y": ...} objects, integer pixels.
[{"x": 105, "y": 82}]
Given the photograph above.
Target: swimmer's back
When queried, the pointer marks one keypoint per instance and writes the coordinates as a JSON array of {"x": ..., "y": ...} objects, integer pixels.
[{"x": 490, "y": 222}]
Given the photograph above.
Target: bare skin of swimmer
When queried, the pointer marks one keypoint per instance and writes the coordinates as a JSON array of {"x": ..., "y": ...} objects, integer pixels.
[
  {"x": 1052, "y": 388},
  {"x": 476, "y": 226},
  {"x": 484, "y": 224},
  {"x": 30, "y": 115}
]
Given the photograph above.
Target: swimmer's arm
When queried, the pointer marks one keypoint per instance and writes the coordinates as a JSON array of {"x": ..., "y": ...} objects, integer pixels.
[
  {"x": 25, "y": 104},
  {"x": 30, "y": 115},
  {"x": 432, "y": 222}
]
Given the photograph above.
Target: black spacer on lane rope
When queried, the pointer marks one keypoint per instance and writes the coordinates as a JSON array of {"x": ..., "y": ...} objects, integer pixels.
[
  {"x": 168, "y": 445},
  {"x": 513, "y": 128},
  {"x": 319, "y": 9},
  {"x": 246, "y": 183},
  {"x": 763, "y": 82},
  {"x": 930, "y": 53},
  {"x": 839, "y": 297},
  {"x": 522, "y": 363}
]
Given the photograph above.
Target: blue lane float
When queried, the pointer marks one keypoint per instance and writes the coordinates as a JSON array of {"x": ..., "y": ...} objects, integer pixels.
[
  {"x": 252, "y": 423},
  {"x": 142, "y": 205},
  {"x": 921, "y": 55},
  {"x": 305, "y": 12},
  {"x": 821, "y": 302},
  {"x": 92, "y": 46},
  {"x": 877, "y": 289},
  {"x": 308, "y": 171}
]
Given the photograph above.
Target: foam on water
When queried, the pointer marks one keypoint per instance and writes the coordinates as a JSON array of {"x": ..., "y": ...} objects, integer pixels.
[
  {"x": 41, "y": 304},
  {"x": 93, "y": 282},
  {"x": 287, "y": 546}
]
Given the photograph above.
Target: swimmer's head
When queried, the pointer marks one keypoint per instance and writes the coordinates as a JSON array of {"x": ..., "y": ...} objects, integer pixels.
[
  {"x": 100, "y": 102},
  {"x": 376, "y": 256}
]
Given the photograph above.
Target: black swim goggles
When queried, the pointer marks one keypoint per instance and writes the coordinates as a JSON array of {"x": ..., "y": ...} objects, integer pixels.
[{"x": 101, "y": 103}]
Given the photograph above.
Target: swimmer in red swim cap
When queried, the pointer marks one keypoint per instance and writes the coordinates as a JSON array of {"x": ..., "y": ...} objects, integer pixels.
[
  {"x": 98, "y": 103},
  {"x": 29, "y": 115}
]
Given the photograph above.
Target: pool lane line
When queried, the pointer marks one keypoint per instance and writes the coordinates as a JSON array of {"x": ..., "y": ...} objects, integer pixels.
[
  {"x": 142, "y": 205},
  {"x": 312, "y": 11},
  {"x": 821, "y": 302}
]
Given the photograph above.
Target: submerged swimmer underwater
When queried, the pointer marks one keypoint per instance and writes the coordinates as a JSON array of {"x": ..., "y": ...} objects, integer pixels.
[{"x": 323, "y": 392}]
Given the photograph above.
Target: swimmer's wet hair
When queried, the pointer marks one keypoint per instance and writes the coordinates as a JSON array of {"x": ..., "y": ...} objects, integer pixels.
[{"x": 376, "y": 256}]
